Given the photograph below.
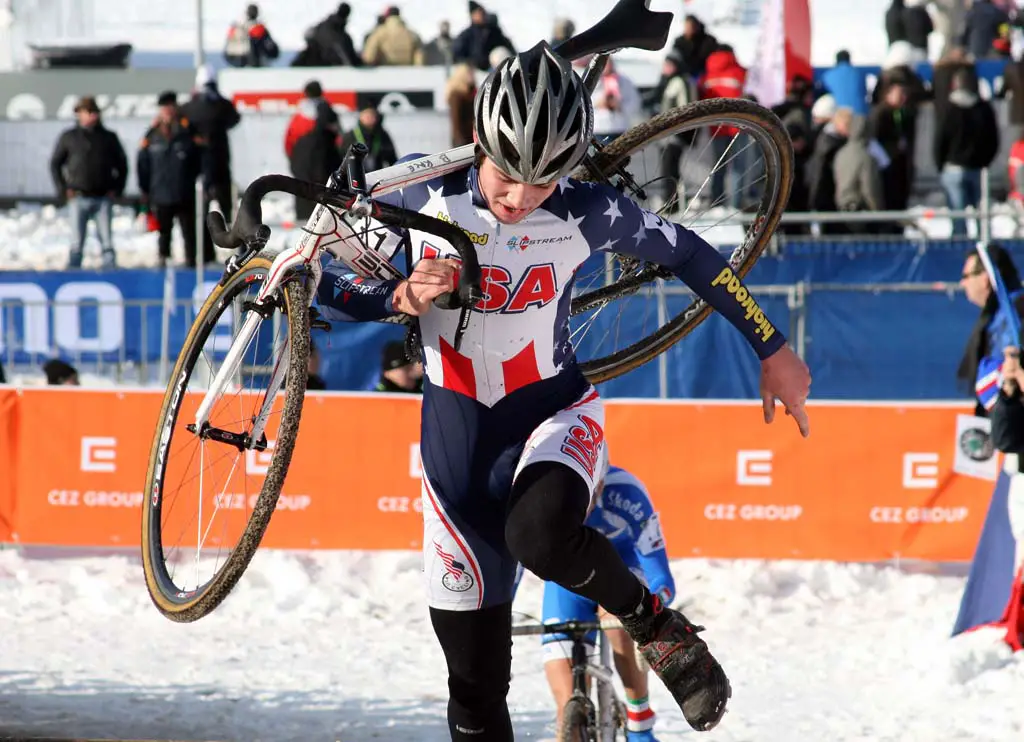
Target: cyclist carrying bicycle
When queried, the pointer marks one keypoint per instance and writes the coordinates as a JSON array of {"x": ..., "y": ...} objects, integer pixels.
[
  {"x": 624, "y": 514},
  {"x": 511, "y": 431}
]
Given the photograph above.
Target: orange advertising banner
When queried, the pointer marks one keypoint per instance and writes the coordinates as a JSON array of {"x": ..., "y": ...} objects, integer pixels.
[{"x": 873, "y": 481}]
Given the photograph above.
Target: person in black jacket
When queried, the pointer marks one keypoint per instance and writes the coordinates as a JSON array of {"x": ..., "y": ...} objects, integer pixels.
[
  {"x": 328, "y": 44},
  {"x": 966, "y": 142},
  {"x": 1007, "y": 414},
  {"x": 475, "y": 43},
  {"x": 695, "y": 45},
  {"x": 168, "y": 165},
  {"x": 369, "y": 130},
  {"x": 89, "y": 169},
  {"x": 212, "y": 116},
  {"x": 312, "y": 143}
]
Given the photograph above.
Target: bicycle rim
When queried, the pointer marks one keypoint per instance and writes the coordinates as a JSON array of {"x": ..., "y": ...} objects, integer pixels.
[
  {"x": 767, "y": 132},
  {"x": 167, "y": 500}
]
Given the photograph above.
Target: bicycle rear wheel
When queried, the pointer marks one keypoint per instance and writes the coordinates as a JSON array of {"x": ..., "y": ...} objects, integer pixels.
[
  {"x": 624, "y": 276},
  {"x": 232, "y": 456}
]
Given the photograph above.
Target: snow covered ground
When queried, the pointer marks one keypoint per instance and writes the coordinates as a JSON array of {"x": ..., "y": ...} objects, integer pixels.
[{"x": 337, "y": 646}]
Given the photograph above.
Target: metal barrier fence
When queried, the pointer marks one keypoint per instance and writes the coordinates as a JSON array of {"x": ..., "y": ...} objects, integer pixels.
[{"x": 140, "y": 339}]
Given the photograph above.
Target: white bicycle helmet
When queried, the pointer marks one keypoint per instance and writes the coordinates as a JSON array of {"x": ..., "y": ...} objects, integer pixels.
[{"x": 533, "y": 116}]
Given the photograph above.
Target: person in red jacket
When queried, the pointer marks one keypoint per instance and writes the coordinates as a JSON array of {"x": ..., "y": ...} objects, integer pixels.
[
  {"x": 312, "y": 143},
  {"x": 1016, "y": 173},
  {"x": 725, "y": 77}
]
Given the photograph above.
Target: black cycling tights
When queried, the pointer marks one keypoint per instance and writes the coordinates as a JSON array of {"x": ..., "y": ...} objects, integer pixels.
[{"x": 544, "y": 531}]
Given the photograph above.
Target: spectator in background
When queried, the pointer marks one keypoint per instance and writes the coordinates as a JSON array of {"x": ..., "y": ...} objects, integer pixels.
[
  {"x": 674, "y": 90},
  {"x": 893, "y": 123},
  {"x": 3, "y": 379},
  {"x": 695, "y": 45},
  {"x": 822, "y": 113},
  {"x": 992, "y": 332},
  {"x": 725, "y": 77},
  {"x": 966, "y": 141},
  {"x": 460, "y": 94},
  {"x": 1008, "y": 410},
  {"x": 393, "y": 43},
  {"x": 314, "y": 381},
  {"x": 617, "y": 103},
  {"x": 951, "y": 63},
  {"x": 328, "y": 44},
  {"x": 475, "y": 44},
  {"x": 1013, "y": 84},
  {"x": 89, "y": 169},
  {"x": 820, "y": 173},
  {"x": 898, "y": 67},
  {"x": 896, "y": 22},
  {"x": 563, "y": 30},
  {"x": 167, "y": 166},
  {"x": 369, "y": 130},
  {"x": 60, "y": 373},
  {"x": 1016, "y": 180},
  {"x": 847, "y": 84},
  {"x": 858, "y": 181},
  {"x": 212, "y": 116},
  {"x": 398, "y": 373},
  {"x": 984, "y": 24},
  {"x": 439, "y": 51},
  {"x": 249, "y": 43},
  {"x": 795, "y": 114},
  {"x": 311, "y": 143},
  {"x": 918, "y": 25}
]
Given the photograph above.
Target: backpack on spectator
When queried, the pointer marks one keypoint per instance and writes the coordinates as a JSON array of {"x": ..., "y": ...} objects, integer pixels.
[{"x": 238, "y": 46}]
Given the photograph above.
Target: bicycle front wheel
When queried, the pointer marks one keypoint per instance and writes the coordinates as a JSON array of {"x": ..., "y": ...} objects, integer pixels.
[
  {"x": 726, "y": 137},
  {"x": 577, "y": 721},
  {"x": 211, "y": 491}
]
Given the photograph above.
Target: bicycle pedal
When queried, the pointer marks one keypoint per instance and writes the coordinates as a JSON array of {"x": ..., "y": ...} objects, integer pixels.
[{"x": 316, "y": 322}]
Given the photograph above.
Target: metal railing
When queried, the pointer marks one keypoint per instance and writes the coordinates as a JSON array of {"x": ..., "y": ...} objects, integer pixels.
[{"x": 135, "y": 342}]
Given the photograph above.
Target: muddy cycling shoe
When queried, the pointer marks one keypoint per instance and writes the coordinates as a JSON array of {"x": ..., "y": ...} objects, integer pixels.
[{"x": 682, "y": 660}]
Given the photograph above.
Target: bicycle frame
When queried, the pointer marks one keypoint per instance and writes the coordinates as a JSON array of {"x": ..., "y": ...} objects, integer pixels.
[
  {"x": 603, "y": 675},
  {"x": 320, "y": 235}
]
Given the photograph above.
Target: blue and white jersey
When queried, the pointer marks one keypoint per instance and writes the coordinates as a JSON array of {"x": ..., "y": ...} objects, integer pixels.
[
  {"x": 625, "y": 514},
  {"x": 519, "y": 333},
  {"x": 999, "y": 335}
]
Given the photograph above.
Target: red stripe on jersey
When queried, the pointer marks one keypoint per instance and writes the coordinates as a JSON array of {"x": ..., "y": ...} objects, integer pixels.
[
  {"x": 457, "y": 370},
  {"x": 521, "y": 369},
  {"x": 589, "y": 398}
]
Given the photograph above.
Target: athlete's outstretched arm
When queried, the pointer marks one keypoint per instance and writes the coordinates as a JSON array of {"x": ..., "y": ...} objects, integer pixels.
[{"x": 616, "y": 223}]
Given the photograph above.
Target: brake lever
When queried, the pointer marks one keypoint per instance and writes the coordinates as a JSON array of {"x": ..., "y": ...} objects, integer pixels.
[{"x": 252, "y": 246}]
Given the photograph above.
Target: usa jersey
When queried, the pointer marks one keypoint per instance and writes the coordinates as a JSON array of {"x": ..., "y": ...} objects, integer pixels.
[
  {"x": 519, "y": 333},
  {"x": 625, "y": 514}
]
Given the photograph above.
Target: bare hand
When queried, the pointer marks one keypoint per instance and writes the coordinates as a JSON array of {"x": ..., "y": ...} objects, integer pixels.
[
  {"x": 784, "y": 376},
  {"x": 1011, "y": 365},
  {"x": 430, "y": 278}
]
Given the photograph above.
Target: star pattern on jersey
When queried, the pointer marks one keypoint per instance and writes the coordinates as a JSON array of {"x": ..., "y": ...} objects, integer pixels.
[
  {"x": 574, "y": 222},
  {"x": 613, "y": 212},
  {"x": 641, "y": 232},
  {"x": 565, "y": 185},
  {"x": 607, "y": 246}
]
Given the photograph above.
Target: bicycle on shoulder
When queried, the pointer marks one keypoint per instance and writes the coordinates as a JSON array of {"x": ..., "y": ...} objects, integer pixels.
[
  {"x": 594, "y": 712},
  {"x": 230, "y": 416}
]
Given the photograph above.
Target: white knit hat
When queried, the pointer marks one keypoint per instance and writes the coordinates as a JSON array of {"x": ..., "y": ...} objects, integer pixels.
[{"x": 824, "y": 108}]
